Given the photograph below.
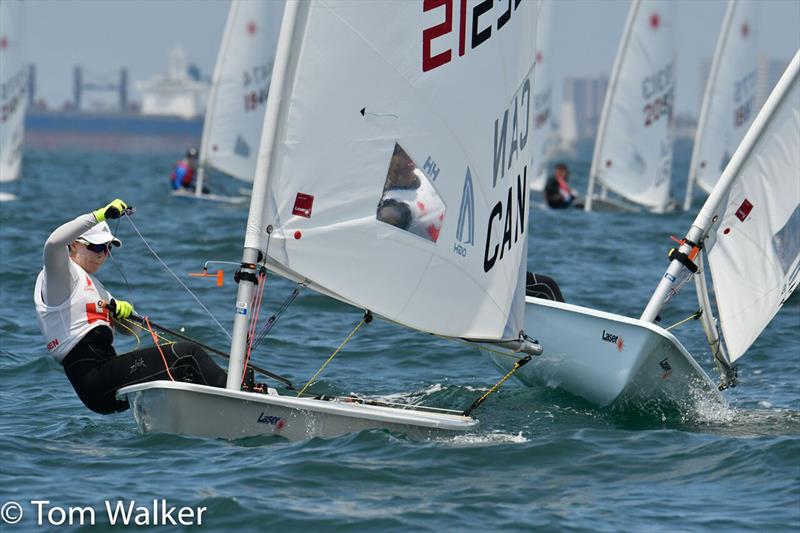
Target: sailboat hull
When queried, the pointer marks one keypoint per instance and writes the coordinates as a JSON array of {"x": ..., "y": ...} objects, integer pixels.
[
  {"x": 608, "y": 359},
  {"x": 191, "y": 195},
  {"x": 610, "y": 205},
  {"x": 203, "y": 411}
]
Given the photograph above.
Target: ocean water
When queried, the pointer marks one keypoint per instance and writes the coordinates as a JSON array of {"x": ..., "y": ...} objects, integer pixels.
[{"x": 540, "y": 459}]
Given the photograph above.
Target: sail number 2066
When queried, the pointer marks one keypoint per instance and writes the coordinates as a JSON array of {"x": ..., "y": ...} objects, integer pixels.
[{"x": 483, "y": 20}]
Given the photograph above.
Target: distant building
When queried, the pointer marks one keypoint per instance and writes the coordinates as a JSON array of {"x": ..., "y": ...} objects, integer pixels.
[
  {"x": 685, "y": 125},
  {"x": 768, "y": 72},
  {"x": 705, "y": 71},
  {"x": 177, "y": 94},
  {"x": 581, "y": 107}
]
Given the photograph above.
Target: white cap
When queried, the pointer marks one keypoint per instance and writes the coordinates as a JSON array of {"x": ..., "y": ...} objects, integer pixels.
[{"x": 100, "y": 234}]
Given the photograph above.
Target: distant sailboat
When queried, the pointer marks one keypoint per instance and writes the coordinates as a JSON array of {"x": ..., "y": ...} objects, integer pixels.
[
  {"x": 382, "y": 184},
  {"x": 14, "y": 96},
  {"x": 542, "y": 136},
  {"x": 749, "y": 228},
  {"x": 729, "y": 101},
  {"x": 236, "y": 104},
  {"x": 633, "y": 150}
]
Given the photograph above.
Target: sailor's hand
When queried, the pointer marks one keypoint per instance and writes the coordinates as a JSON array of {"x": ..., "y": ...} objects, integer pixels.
[
  {"x": 120, "y": 308},
  {"x": 113, "y": 210}
]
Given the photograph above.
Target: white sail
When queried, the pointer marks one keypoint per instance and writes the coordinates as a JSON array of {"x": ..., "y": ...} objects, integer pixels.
[
  {"x": 235, "y": 112},
  {"x": 372, "y": 96},
  {"x": 729, "y": 101},
  {"x": 542, "y": 98},
  {"x": 633, "y": 151},
  {"x": 754, "y": 250},
  {"x": 13, "y": 89}
]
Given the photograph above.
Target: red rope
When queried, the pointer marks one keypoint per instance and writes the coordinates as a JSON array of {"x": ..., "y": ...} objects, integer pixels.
[
  {"x": 155, "y": 341},
  {"x": 256, "y": 306}
]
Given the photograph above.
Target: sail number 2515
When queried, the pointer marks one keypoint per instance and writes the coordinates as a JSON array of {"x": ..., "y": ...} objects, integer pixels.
[{"x": 482, "y": 22}]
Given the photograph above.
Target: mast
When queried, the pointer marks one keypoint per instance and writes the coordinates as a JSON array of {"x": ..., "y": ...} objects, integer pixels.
[
  {"x": 623, "y": 46},
  {"x": 212, "y": 97},
  {"x": 281, "y": 75},
  {"x": 708, "y": 215},
  {"x": 704, "y": 108}
]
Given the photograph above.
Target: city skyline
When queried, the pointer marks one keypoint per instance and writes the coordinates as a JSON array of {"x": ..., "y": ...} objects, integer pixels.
[{"x": 62, "y": 34}]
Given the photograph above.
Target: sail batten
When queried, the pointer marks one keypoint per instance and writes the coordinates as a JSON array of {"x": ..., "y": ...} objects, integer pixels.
[{"x": 385, "y": 189}]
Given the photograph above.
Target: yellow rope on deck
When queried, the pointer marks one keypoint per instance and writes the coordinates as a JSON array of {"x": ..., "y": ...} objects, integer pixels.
[{"x": 367, "y": 318}]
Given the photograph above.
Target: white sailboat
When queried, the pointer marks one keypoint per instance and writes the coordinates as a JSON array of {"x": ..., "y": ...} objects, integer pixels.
[
  {"x": 633, "y": 151},
  {"x": 729, "y": 100},
  {"x": 236, "y": 104},
  {"x": 14, "y": 96},
  {"x": 749, "y": 228},
  {"x": 390, "y": 180},
  {"x": 542, "y": 98}
]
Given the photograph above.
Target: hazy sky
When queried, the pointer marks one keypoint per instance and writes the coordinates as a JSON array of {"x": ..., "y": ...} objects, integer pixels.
[{"x": 104, "y": 35}]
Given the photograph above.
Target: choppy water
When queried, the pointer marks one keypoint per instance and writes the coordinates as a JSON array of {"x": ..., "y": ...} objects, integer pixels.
[{"x": 541, "y": 459}]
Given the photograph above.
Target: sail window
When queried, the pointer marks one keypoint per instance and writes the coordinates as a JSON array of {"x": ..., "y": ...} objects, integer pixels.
[
  {"x": 409, "y": 200},
  {"x": 787, "y": 244}
]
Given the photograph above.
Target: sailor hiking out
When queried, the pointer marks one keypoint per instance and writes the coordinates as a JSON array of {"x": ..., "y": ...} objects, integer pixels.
[{"x": 79, "y": 317}]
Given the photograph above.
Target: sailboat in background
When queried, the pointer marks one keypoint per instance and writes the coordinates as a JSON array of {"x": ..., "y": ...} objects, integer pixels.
[
  {"x": 729, "y": 101},
  {"x": 236, "y": 104},
  {"x": 14, "y": 80},
  {"x": 633, "y": 150},
  {"x": 380, "y": 183},
  {"x": 543, "y": 135},
  {"x": 750, "y": 230}
]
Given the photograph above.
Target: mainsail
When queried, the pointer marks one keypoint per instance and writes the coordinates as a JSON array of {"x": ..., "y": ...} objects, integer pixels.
[
  {"x": 14, "y": 93},
  {"x": 633, "y": 151},
  {"x": 394, "y": 160},
  {"x": 754, "y": 248},
  {"x": 235, "y": 112},
  {"x": 542, "y": 98},
  {"x": 729, "y": 102}
]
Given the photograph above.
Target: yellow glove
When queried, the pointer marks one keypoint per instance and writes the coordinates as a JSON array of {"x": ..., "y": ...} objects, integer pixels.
[
  {"x": 121, "y": 308},
  {"x": 113, "y": 210}
]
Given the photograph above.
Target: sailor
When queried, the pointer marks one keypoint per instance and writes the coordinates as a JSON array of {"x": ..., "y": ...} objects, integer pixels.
[
  {"x": 183, "y": 174},
  {"x": 557, "y": 192},
  {"x": 79, "y": 327},
  {"x": 409, "y": 200}
]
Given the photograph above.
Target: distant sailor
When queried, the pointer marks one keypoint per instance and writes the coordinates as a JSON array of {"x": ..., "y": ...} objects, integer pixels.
[
  {"x": 557, "y": 193},
  {"x": 182, "y": 176},
  {"x": 79, "y": 327}
]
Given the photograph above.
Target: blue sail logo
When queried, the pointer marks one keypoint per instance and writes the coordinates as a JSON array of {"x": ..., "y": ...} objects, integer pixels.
[{"x": 465, "y": 233}]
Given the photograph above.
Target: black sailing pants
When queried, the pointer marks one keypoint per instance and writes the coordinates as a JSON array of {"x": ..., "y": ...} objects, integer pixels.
[{"x": 96, "y": 371}]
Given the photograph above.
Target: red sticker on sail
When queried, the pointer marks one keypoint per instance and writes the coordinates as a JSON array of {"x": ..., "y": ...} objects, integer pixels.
[
  {"x": 302, "y": 205},
  {"x": 744, "y": 210}
]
